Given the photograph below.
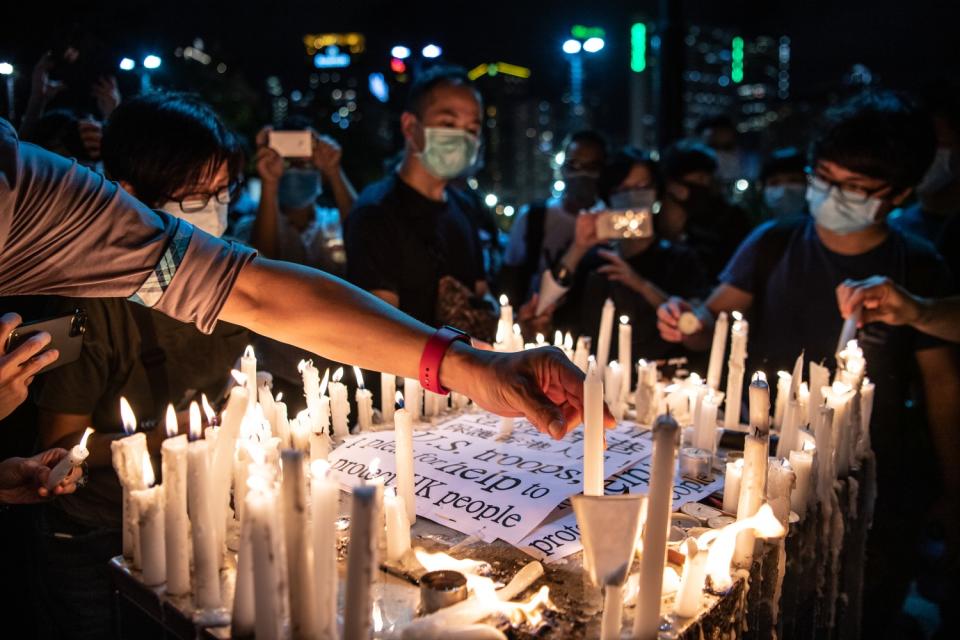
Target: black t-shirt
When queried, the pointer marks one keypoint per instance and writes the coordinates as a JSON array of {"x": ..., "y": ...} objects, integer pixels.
[
  {"x": 716, "y": 233},
  {"x": 110, "y": 366},
  {"x": 401, "y": 241}
]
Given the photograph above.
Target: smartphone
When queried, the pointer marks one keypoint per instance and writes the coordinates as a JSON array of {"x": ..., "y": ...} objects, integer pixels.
[
  {"x": 624, "y": 224},
  {"x": 291, "y": 144},
  {"x": 66, "y": 333}
]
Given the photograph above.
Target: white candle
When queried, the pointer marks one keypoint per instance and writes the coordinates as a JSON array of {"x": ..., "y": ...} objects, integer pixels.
[
  {"x": 690, "y": 594},
  {"x": 243, "y": 615},
  {"x": 606, "y": 333},
  {"x": 759, "y": 396},
  {"x": 339, "y": 406},
  {"x": 803, "y": 401},
  {"x": 823, "y": 433},
  {"x": 781, "y": 479},
  {"x": 593, "y": 432},
  {"x": 506, "y": 314},
  {"x": 755, "y": 453},
  {"x": 261, "y": 510},
  {"x": 361, "y": 562},
  {"x": 624, "y": 357},
  {"x": 176, "y": 526},
  {"x": 312, "y": 388},
  {"x": 149, "y": 503},
  {"x": 517, "y": 339},
  {"x": 646, "y": 401},
  {"x": 867, "y": 389},
  {"x": 283, "y": 422},
  {"x": 612, "y": 388},
  {"x": 75, "y": 457},
  {"x": 206, "y": 552},
  {"x": 731, "y": 486},
  {"x": 300, "y": 572},
  {"x": 319, "y": 445},
  {"x": 248, "y": 366},
  {"x": 325, "y": 494},
  {"x": 413, "y": 398},
  {"x": 267, "y": 405},
  {"x": 388, "y": 389},
  {"x": 802, "y": 464},
  {"x": 221, "y": 471},
  {"x": 568, "y": 346},
  {"x": 666, "y": 433},
  {"x": 736, "y": 364},
  {"x": 364, "y": 398},
  {"x": 706, "y": 427},
  {"x": 398, "y": 525},
  {"x": 432, "y": 403},
  {"x": 783, "y": 393},
  {"x": 838, "y": 397},
  {"x": 459, "y": 401},
  {"x": 581, "y": 356},
  {"x": 300, "y": 431},
  {"x": 403, "y": 434},
  {"x": 819, "y": 378},
  {"x": 717, "y": 350},
  {"x": 127, "y": 457}
]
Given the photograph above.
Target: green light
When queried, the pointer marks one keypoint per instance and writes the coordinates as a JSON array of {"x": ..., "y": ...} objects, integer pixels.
[
  {"x": 638, "y": 47},
  {"x": 581, "y": 32},
  {"x": 736, "y": 59}
]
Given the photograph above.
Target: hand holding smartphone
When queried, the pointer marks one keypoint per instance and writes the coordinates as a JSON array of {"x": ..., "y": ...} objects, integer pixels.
[
  {"x": 66, "y": 336},
  {"x": 291, "y": 144}
]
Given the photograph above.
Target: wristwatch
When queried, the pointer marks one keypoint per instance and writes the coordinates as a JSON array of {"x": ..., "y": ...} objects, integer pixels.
[
  {"x": 562, "y": 275},
  {"x": 433, "y": 355}
]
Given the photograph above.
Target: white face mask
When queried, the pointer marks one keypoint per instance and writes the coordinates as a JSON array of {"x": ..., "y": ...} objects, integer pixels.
[
  {"x": 212, "y": 218},
  {"x": 831, "y": 211},
  {"x": 447, "y": 152}
]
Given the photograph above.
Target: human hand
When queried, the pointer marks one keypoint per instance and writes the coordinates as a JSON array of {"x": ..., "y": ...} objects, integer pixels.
[
  {"x": 531, "y": 323},
  {"x": 269, "y": 163},
  {"x": 619, "y": 271},
  {"x": 585, "y": 232},
  {"x": 23, "y": 480},
  {"x": 107, "y": 95},
  {"x": 668, "y": 318},
  {"x": 18, "y": 367},
  {"x": 42, "y": 87},
  {"x": 880, "y": 299},
  {"x": 540, "y": 384},
  {"x": 327, "y": 154},
  {"x": 91, "y": 134}
]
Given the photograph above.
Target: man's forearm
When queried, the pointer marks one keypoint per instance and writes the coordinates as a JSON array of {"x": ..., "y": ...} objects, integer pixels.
[{"x": 940, "y": 318}]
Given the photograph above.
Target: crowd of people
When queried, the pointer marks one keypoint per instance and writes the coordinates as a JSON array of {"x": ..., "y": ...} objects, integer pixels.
[{"x": 864, "y": 220}]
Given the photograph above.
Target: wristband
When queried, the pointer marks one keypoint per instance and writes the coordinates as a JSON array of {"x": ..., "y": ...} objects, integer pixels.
[{"x": 433, "y": 355}]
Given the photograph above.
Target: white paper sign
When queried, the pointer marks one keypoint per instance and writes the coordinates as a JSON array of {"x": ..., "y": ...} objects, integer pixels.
[{"x": 472, "y": 481}]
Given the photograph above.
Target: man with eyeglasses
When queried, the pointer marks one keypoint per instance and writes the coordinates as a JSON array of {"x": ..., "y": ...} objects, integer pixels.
[{"x": 872, "y": 152}]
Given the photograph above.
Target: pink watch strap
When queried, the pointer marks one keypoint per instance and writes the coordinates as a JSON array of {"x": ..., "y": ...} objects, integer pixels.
[{"x": 433, "y": 355}]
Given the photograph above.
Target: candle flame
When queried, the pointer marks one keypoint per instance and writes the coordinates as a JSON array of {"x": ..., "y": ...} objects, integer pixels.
[
  {"x": 614, "y": 366},
  {"x": 737, "y": 316},
  {"x": 326, "y": 381},
  {"x": 840, "y": 388},
  {"x": 127, "y": 417},
  {"x": 558, "y": 338},
  {"x": 504, "y": 301},
  {"x": 257, "y": 482},
  {"x": 196, "y": 427},
  {"x": 759, "y": 376},
  {"x": 239, "y": 377},
  {"x": 624, "y": 320},
  {"x": 785, "y": 376},
  {"x": 540, "y": 339},
  {"x": 85, "y": 437},
  {"x": 207, "y": 409},
  {"x": 695, "y": 379},
  {"x": 172, "y": 427},
  {"x": 568, "y": 341},
  {"x": 516, "y": 330},
  {"x": 303, "y": 365},
  {"x": 338, "y": 375},
  {"x": 358, "y": 376},
  {"x": 809, "y": 445},
  {"x": 724, "y": 541},
  {"x": 248, "y": 352},
  {"x": 319, "y": 468},
  {"x": 148, "y": 477}
]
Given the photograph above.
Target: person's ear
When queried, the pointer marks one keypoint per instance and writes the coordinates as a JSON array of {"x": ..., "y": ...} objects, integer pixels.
[{"x": 411, "y": 129}]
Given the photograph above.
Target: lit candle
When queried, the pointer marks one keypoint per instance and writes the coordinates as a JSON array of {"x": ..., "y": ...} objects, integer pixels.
[
  {"x": 176, "y": 526},
  {"x": 624, "y": 348},
  {"x": 819, "y": 378},
  {"x": 705, "y": 436},
  {"x": 731, "y": 485},
  {"x": 666, "y": 434},
  {"x": 339, "y": 406},
  {"x": 283, "y": 421},
  {"x": 781, "y": 479},
  {"x": 268, "y": 406},
  {"x": 735, "y": 371},
  {"x": 581, "y": 356},
  {"x": 248, "y": 366},
  {"x": 320, "y": 444},
  {"x": 398, "y": 525},
  {"x": 755, "y": 452},
  {"x": 568, "y": 346},
  {"x": 325, "y": 495},
  {"x": 300, "y": 572},
  {"x": 206, "y": 552},
  {"x": 838, "y": 397},
  {"x": 690, "y": 594},
  {"x": 783, "y": 393},
  {"x": 517, "y": 338},
  {"x": 127, "y": 457},
  {"x": 403, "y": 434},
  {"x": 150, "y": 521},
  {"x": 361, "y": 562},
  {"x": 261, "y": 509},
  {"x": 645, "y": 400},
  {"x": 300, "y": 431},
  {"x": 506, "y": 314},
  {"x": 364, "y": 398},
  {"x": 802, "y": 464},
  {"x": 612, "y": 388},
  {"x": 593, "y": 431},
  {"x": 717, "y": 350},
  {"x": 867, "y": 389},
  {"x": 74, "y": 458},
  {"x": 388, "y": 389},
  {"x": 413, "y": 398},
  {"x": 311, "y": 385},
  {"x": 606, "y": 333},
  {"x": 803, "y": 402}
]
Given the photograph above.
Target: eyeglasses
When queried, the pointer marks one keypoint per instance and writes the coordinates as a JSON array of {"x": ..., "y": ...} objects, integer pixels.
[
  {"x": 851, "y": 195},
  {"x": 194, "y": 202}
]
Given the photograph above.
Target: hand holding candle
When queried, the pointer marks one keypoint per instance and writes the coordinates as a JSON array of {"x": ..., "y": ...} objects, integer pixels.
[{"x": 76, "y": 457}]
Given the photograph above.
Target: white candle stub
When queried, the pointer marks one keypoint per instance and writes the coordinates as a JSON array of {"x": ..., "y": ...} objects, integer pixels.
[{"x": 688, "y": 323}]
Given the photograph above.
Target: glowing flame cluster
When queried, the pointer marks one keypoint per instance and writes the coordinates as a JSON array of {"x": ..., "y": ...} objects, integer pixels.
[{"x": 723, "y": 542}]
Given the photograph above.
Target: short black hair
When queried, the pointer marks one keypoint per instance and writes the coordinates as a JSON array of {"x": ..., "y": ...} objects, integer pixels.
[
  {"x": 714, "y": 122},
  {"x": 433, "y": 78},
  {"x": 619, "y": 167},
  {"x": 785, "y": 160},
  {"x": 881, "y": 134},
  {"x": 587, "y": 137},
  {"x": 58, "y": 129},
  {"x": 160, "y": 142},
  {"x": 686, "y": 156}
]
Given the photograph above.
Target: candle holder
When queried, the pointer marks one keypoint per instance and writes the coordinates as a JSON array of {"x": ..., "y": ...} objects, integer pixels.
[
  {"x": 440, "y": 589},
  {"x": 696, "y": 463}
]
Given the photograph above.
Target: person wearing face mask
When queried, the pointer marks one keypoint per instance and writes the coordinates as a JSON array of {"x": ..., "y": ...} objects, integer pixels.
[
  {"x": 543, "y": 230},
  {"x": 409, "y": 239},
  {"x": 871, "y": 153},
  {"x": 694, "y": 210},
  {"x": 175, "y": 154},
  {"x": 784, "y": 181},
  {"x": 719, "y": 133}
]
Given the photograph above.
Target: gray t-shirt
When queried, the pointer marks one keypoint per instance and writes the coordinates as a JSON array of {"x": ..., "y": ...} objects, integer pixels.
[{"x": 68, "y": 231}]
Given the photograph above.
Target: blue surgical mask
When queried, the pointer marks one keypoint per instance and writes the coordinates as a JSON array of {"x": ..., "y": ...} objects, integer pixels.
[
  {"x": 785, "y": 200},
  {"x": 299, "y": 188},
  {"x": 448, "y": 152},
  {"x": 832, "y": 212}
]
